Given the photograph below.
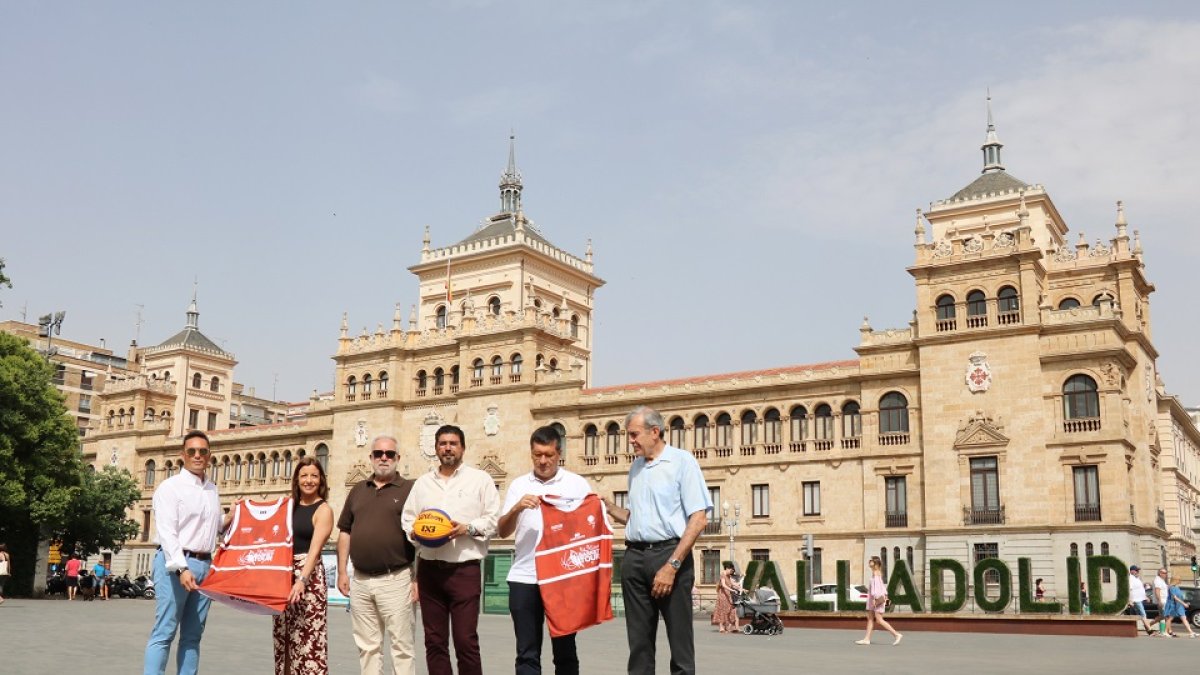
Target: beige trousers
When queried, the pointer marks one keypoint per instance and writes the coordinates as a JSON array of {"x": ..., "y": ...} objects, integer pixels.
[{"x": 383, "y": 603}]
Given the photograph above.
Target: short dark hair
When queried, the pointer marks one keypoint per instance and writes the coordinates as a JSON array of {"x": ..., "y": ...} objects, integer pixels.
[
  {"x": 322, "y": 486},
  {"x": 451, "y": 429},
  {"x": 196, "y": 433},
  {"x": 546, "y": 436}
]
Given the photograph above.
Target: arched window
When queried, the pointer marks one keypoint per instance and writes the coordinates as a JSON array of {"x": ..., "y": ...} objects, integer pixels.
[
  {"x": 196, "y": 379},
  {"x": 538, "y": 361},
  {"x": 893, "y": 413},
  {"x": 166, "y": 376},
  {"x": 351, "y": 387},
  {"x": 262, "y": 466},
  {"x": 121, "y": 414},
  {"x": 591, "y": 440},
  {"x": 287, "y": 463},
  {"x": 555, "y": 313},
  {"x": 1008, "y": 303},
  {"x": 383, "y": 384},
  {"x": 799, "y": 424},
  {"x": 553, "y": 364},
  {"x": 945, "y": 312},
  {"x": 132, "y": 415},
  {"x": 896, "y": 554},
  {"x": 323, "y": 456},
  {"x": 1068, "y": 303},
  {"x": 166, "y": 415},
  {"x": 724, "y": 430},
  {"x": 1090, "y": 550},
  {"x": 225, "y": 469},
  {"x": 517, "y": 362},
  {"x": 1103, "y": 297},
  {"x": 908, "y": 555},
  {"x": 150, "y": 473},
  {"x": 1074, "y": 550},
  {"x": 366, "y": 386},
  {"x": 575, "y": 326},
  {"x": 1080, "y": 398},
  {"x": 976, "y": 309},
  {"x": 214, "y": 384},
  {"x": 422, "y": 380},
  {"x": 677, "y": 432},
  {"x": 149, "y": 414},
  {"x": 883, "y": 558},
  {"x": 252, "y": 466},
  {"x": 441, "y": 317},
  {"x": 168, "y": 469},
  {"x": 772, "y": 427},
  {"x": 477, "y": 370},
  {"x": 851, "y": 420},
  {"x": 494, "y": 306},
  {"x": 612, "y": 441},
  {"x": 439, "y": 378},
  {"x": 1105, "y": 574},
  {"x": 824, "y": 422},
  {"x": 276, "y": 465},
  {"x": 562, "y": 440},
  {"x": 701, "y": 434},
  {"x": 749, "y": 428},
  {"x": 497, "y": 367},
  {"x": 112, "y": 415},
  {"x": 454, "y": 375}
]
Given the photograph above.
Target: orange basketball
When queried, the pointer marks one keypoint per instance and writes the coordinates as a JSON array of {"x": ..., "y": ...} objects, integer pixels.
[{"x": 432, "y": 528}]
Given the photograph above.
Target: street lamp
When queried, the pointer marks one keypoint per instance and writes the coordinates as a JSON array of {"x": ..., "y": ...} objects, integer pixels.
[
  {"x": 50, "y": 325},
  {"x": 731, "y": 525}
]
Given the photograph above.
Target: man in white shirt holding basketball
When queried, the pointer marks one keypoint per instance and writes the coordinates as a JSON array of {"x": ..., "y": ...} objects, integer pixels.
[
  {"x": 522, "y": 515},
  {"x": 449, "y": 576}
]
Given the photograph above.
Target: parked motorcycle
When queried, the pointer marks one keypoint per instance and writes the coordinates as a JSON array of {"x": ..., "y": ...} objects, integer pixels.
[
  {"x": 121, "y": 587},
  {"x": 143, "y": 586}
]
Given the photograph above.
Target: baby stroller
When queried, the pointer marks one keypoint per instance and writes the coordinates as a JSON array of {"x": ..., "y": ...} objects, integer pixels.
[{"x": 760, "y": 609}]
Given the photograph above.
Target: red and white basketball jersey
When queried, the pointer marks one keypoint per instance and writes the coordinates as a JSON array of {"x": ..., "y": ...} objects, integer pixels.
[
  {"x": 252, "y": 569},
  {"x": 574, "y": 564}
]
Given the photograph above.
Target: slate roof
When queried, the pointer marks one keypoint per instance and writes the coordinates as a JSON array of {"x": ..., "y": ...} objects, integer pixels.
[
  {"x": 191, "y": 337},
  {"x": 992, "y": 181},
  {"x": 503, "y": 228}
]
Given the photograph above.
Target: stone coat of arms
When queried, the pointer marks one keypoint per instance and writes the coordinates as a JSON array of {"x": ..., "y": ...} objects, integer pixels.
[{"x": 979, "y": 373}]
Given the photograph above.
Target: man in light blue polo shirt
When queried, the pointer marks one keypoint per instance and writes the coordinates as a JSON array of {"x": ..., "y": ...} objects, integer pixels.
[{"x": 668, "y": 505}]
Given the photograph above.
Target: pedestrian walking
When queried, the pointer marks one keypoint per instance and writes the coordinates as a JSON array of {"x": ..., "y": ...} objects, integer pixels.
[
  {"x": 100, "y": 572},
  {"x": 74, "y": 564},
  {"x": 5, "y": 569},
  {"x": 1176, "y": 608},
  {"x": 1137, "y": 598},
  {"x": 725, "y": 613},
  {"x": 1160, "y": 599},
  {"x": 301, "y": 634},
  {"x": 877, "y": 602}
]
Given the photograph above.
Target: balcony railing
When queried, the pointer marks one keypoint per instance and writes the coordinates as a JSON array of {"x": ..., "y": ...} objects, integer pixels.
[
  {"x": 825, "y": 444},
  {"x": 983, "y": 516},
  {"x": 1008, "y": 318},
  {"x": 772, "y": 449},
  {"x": 894, "y": 438},
  {"x": 724, "y": 452},
  {"x": 945, "y": 325},
  {"x": 713, "y": 527},
  {"x": 437, "y": 391},
  {"x": 477, "y": 382},
  {"x": 497, "y": 379},
  {"x": 977, "y": 321},
  {"x": 700, "y": 453},
  {"x": 748, "y": 451},
  {"x": 1080, "y": 424},
  {"x": 899, "y": 519},
  {"x": 1087, "y": 512},
  {"x": 848, "y": 443},
  {"x": 421, "y": 393},
  {"x": 798, "y": 446}
]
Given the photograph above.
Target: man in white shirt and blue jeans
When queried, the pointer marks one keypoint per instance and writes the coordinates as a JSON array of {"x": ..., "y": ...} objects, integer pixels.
[
  {"x": 187, "y": 517},
  {"x": 522, "y": 515},
  {"x": 1137, "y": 595}
]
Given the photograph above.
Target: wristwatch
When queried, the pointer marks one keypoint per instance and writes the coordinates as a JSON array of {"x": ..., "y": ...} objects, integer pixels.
[
  {"x": 674, "y": 563},
  {"x": 472, "y": 531},
  {"x": 179, "y": 573}
]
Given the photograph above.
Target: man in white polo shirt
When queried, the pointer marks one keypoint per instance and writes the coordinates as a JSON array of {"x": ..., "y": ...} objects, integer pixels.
[
  {"x": 522, "y": 514},
  {"x": 1137, "y": 595}
]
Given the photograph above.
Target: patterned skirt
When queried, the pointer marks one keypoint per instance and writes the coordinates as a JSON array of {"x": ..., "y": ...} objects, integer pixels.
[{"x": 301, "y": 636}]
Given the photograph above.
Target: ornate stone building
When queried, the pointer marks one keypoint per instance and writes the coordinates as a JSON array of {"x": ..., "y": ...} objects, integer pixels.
[{"x": 1018, "y": 414}]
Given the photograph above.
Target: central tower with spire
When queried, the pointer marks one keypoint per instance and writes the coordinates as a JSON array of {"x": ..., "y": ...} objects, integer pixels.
[{"x": 510, "y": 181}]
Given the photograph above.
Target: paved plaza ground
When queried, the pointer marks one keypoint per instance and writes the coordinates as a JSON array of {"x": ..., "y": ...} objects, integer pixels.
[{"x": 107, "y": 638}]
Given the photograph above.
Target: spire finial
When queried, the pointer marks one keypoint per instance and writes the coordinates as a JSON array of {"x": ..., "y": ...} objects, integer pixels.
[
  {"x": 412, "y": 319},
  {"x": 589, "y": 250},
  {"x": 396, "y": 318},
  {"x": 345, "y": 325},
  {"x": 425, "y": 240},
  {"x": 510, "y": 180},
  {"x": 991, "y": 145},
  {"x": 193, "y": 314}
]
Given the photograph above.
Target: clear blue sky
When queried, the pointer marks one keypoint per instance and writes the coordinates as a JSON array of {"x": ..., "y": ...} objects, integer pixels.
[{"x": 748, "y": 172}]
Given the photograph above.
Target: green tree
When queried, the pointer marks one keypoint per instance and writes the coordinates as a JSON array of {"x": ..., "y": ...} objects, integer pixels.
[
  {"x": 98, "y": 512},
  {"x": 40, "y": 465},
  {"x": 4, "y": 281}
]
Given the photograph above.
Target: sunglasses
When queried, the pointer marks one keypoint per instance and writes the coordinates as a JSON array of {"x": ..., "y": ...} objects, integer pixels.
[
  {"x": 378, "y": 454},
  {"x": 196, "y": 452}
]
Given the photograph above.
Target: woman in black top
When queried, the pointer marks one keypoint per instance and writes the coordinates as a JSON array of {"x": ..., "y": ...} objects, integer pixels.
[{"x": 301, "y": 636}]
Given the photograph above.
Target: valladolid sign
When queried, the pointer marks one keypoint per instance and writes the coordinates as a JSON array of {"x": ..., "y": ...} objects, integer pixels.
[{"x": 945, "y": 573}]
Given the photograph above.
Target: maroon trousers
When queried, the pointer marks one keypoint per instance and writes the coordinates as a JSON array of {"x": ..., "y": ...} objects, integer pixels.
[{"x": 450, "y": 597}]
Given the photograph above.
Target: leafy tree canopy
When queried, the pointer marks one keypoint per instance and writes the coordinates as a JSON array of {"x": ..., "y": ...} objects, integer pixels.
[
  {"x": 98, "y": 511},
  {"x": 4, "y": 281}
]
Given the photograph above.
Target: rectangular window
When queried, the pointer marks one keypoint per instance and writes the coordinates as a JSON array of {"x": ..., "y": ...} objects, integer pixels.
[
  {"x": 985, "y": 485},
  {"x": 85, "y": 403},
  {"x": 896, "y": 491},
  {"x": 761, "y": 495},
  {"x": 193, "y": 419},
  {"x": 621, "y": 499},
  {"x": 815, "y": 564},
  {"x": 86, "y": 381},
  {"x": 212, "y": 421},
  {"x": 812, "y": 498},
  {"x": 983, "y": 552},
  {"x": 1087, "y": 493},
  {"x": 760, "y": 554},
  {"x": 145, "y": 526},
  {"x": 712, "y": 567},
  {"x": 60, "y": 374}
]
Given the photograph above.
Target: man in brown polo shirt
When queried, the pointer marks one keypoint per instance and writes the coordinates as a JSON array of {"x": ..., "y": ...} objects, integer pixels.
[{"x": 381, "y": 597}]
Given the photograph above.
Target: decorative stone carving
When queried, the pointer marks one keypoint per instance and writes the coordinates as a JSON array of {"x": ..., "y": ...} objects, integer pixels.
[
  {"x": 979, "y": 373},
  {"x": 943, "y": 249},
  {"x": 428, "y": 434},
  {"x": 980, "y": 430},
  {"x": 1065, "y": 254},
  {"x": 1004, "y": 240},
  {"x": 1111, "y": 373},
  {"x": 1100, "y": 250},
  {"x": 973, "y": 245},
  {"x": 113, "y": 458},
  {"x": 1149, "y": 382},
  {"x": 491, "y": 421},
  {"x": 360, "y": 434}
]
